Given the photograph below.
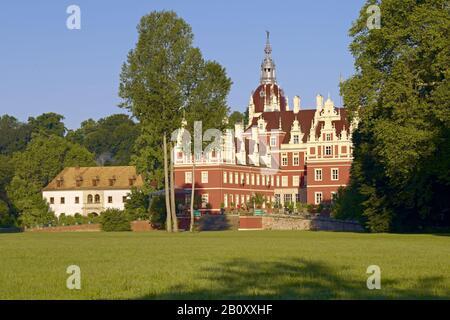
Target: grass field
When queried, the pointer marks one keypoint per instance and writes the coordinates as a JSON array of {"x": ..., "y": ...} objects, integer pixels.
[{"x": 219, "y": 265}]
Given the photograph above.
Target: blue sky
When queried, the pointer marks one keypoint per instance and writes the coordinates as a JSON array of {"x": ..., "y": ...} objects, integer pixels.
[{"x": 46, "y": 67}]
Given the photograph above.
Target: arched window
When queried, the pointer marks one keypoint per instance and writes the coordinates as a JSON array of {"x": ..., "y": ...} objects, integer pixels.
[
  {"x": 97, "y": 198},
  {"x": 89, "y": 198}
]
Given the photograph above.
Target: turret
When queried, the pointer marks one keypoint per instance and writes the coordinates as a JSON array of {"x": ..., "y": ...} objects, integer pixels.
[{"x": 268, "y": 73}]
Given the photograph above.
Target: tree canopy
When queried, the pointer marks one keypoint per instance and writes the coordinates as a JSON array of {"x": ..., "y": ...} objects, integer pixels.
[
  {"x": 48, "y": 124},
  {"x": 401, "y": 95},
  {"x": 111, "y": 139},
  {"x": 14, "y": 135},
  {"x": 164, "y": 79}
]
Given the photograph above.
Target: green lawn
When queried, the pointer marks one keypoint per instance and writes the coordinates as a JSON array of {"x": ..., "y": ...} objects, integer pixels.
[{"x": 246, "y": 264}]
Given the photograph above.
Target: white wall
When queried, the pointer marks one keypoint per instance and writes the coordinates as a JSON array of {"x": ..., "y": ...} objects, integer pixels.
[
  {"x": 70, "y": 207},
  {"x": 117, "y": 196}
]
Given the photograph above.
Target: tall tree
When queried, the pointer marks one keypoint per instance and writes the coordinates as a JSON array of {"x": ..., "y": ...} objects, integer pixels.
[
  {"x": 164, "y": 74},
  {"x": 401, "y": 91},
  {"x": 34, "y": 168}
]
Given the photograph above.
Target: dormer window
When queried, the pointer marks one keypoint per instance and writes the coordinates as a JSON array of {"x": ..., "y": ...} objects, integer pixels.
[
  {"x": 296, "y": 139},
  {"x": 60, "y": 182},
  {"x": 328, "y": 136},
  {"x": 131, "y": 181},
  {"x": 112, "y": 181},
  {"x": 95, "y": 181},
  {"x": 79, "y": 181}
]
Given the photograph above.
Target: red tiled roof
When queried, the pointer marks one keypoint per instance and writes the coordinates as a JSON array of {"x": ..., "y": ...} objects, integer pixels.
[{"x": 304, "y": 118}]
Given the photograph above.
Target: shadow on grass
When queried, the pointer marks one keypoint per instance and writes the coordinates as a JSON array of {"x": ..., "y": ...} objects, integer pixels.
[{"x": 294, "y": 279}]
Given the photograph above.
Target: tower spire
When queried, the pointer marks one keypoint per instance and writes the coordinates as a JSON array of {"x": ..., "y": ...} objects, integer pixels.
[{"x": 268, "y": 66}]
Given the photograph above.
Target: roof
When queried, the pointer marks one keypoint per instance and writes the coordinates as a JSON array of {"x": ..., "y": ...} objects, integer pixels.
[
  {"x": 304, "y": 118},
  {"x": 265, "y": 91},
  {"x": 97, "y": 178}
]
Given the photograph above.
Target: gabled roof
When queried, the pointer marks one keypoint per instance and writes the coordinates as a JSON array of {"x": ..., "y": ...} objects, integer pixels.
[
  {"x": 304, "y": 118},
  {"x": 97, "y": 178}
]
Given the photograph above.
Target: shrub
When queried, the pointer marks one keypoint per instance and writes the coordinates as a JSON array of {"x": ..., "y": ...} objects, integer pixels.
[
  {"x": 158, "y": 212},
  {"x": 64, "y": 220},
  {"x": 115, "y": 220},
  {"x": 137, "y": 206},
  {"x": 6, "y": 219},
  {"x": 93, "y": 218},
  {"x": 80, "y": 219}
]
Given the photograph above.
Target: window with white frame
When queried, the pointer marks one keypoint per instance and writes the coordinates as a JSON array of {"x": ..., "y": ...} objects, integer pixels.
[
  {"x": 328, "y": 137},
  {"x": 263, "y": 180},
  {"x": 318, "y": 174},
  {"x": 236, "y": 178},
  {"x": 258, "y": 179},
  {"x": 253, "y": 179},
  {"x": 242, "y": 199},
  {"x": 188, "y": 177},
  {"x": 296, "y": 139},
  {"x": 335, "y": 174},
  {"x": 278, "y": 181},
  {"x": 204, "y": 176},
  {"x": 296, "y": 159},
  {"x": 237, "y": 199},
  {"x": 296, "y": 181},
  {"x": 225, "y": 200},
  {"x": 287, "y": 198},
  {"x": 273, "y": 181},
  {"x": 230, "y": 175},
  {"x": 273, "y": 141},
  {"x": 242, "y": 178},
  {"x": 284, "y": 181},
  {"x": 225, "y": 177},
  {"x": 328, "y": 150},
  {"x": 317, "y": 197},
  {"x": 247, "y": 178},
  {"x": 284, "y": 159},
  {"x": 205, "y": 199}
]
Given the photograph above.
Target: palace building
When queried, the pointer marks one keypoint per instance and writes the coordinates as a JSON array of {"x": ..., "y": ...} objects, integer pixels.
[
  {"x": 87, "y": 190},
  {"x": 286, "y": 154}
]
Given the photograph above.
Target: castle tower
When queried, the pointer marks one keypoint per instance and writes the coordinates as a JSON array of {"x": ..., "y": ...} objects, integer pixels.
[{"x": 268, "y": 73}]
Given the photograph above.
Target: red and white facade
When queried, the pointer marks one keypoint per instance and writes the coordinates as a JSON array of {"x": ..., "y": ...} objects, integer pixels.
[{"x": 287, "y": 154}]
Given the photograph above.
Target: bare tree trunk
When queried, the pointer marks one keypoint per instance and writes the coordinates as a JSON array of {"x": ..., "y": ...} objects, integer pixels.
[
  {"x": 192, "y": 195},
  {"x": 172, "y": 190},
  {"x": 166, "y": 188}
]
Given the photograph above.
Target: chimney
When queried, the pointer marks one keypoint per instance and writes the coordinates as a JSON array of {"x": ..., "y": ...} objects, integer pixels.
[
  {"x": 296, "y": 104},
  {"x": 319, "y": 102}
]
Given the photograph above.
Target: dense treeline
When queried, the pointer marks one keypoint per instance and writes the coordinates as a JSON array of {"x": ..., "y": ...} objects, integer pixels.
[
  {"x": 401, "y": 94},
  {"x": 33, "y": 153}
]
